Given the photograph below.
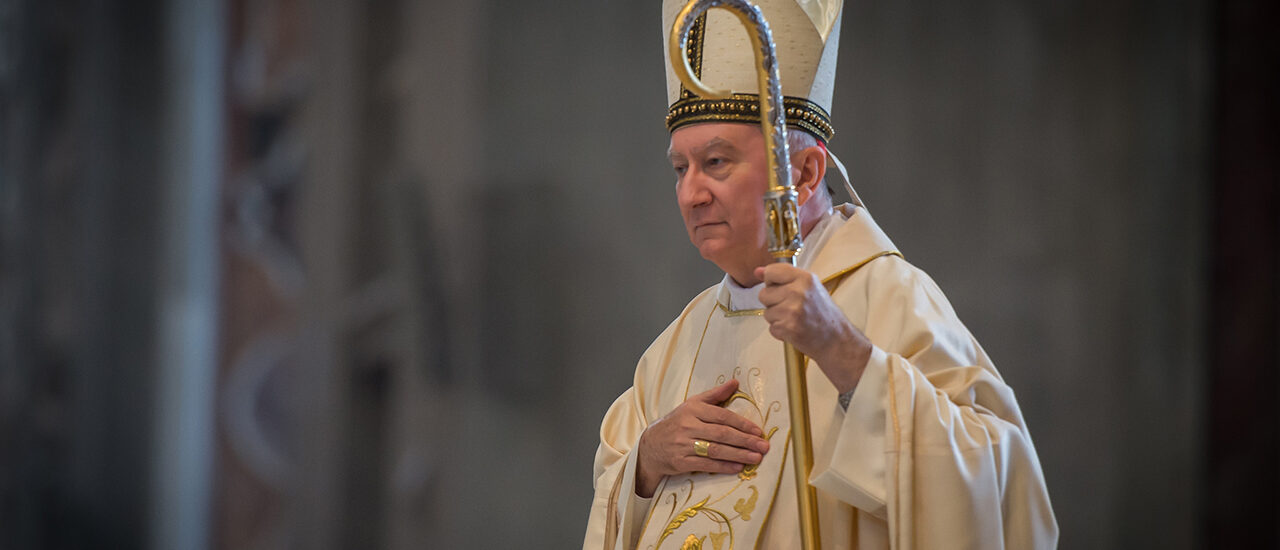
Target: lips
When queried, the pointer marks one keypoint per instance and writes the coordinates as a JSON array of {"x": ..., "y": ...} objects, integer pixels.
[{"x": 707, "y": 223}]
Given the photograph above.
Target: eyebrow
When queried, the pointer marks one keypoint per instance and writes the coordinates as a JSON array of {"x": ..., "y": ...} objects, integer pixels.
[{"x": 714, "y": 143}]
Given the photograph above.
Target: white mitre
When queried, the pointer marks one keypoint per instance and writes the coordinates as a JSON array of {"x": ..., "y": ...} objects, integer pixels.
[{"x": 806, "y": 34}]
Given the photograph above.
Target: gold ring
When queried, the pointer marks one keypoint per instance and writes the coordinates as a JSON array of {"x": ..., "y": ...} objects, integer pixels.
[{"x": 700, "y": 447}]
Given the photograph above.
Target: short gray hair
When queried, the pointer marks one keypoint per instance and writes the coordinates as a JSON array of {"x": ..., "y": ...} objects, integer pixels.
[{"x": 799, "y": 139}]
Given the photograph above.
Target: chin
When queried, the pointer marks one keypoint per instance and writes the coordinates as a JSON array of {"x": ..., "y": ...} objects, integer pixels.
[
  {"x": 708, "y": 254},
  {"x": 714, "y": 254}
]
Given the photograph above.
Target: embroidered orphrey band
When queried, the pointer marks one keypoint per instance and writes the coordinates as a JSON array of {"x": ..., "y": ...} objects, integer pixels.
[{"x": 693, "y": 50}]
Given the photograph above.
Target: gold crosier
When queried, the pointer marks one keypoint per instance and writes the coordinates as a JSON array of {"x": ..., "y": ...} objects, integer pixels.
[{"x": 780, "y": 209}]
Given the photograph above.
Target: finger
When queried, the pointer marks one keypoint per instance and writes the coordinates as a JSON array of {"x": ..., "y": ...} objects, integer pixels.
[
  {"x": 774, "y": 314},
  {"x": 779, "y": 274},
  {"x": 700, "y": 464},
  {"x": 719, "y": 393},
  {"x": 729, "y": 453},
  {"x": 783, "y": 319},
  {"x": 720, "y": 416},
  {"x": 771, "y": 295},
  {"x": 732, "y": 437},
  {"x": 780, "y": 332},
  {"x": 778, "y": 290}
]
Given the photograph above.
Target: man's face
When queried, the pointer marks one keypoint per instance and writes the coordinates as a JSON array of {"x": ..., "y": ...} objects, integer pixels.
[{"x": 721, "y": 177}]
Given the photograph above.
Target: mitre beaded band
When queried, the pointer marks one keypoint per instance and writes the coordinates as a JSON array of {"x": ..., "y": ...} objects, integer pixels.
[{"x": 801, "y": 113}]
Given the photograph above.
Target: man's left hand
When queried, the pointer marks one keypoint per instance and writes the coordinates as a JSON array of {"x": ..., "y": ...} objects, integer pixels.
[{"x": 800, "y": 311}]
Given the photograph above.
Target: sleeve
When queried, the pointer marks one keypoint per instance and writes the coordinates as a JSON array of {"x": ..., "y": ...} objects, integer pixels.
[
  {"x": 933, "y": 441},
  {"x": 615, "y": 520}
]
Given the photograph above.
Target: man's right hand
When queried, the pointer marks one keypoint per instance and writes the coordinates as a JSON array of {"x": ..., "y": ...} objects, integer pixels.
[{"x": 666, "y": 446}]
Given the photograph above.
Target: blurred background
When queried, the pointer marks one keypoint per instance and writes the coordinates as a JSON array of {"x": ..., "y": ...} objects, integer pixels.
[{"x": 319, "y": 274}]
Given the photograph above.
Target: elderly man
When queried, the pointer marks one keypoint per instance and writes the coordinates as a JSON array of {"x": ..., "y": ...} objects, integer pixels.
[{"x": 918, "y": 442}]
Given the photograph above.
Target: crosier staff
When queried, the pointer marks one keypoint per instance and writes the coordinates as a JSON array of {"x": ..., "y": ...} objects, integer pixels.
[{"x": 780, "y": 209}]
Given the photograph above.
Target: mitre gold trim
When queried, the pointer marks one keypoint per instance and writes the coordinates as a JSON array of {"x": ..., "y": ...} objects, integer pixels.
[
  {"x": 693, "y": 51},
  {"x": 801, "y": 113}
]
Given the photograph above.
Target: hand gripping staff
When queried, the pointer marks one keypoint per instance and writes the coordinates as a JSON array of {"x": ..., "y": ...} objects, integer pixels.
[{"x": 780, "y": 210}]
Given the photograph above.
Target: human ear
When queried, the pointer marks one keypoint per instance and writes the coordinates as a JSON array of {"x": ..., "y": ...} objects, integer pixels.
[
  {"x": 803, "y": 194},
  {"x": 813, "y": 167}
]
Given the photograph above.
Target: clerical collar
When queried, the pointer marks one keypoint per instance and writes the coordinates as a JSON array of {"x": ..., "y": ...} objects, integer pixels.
[{"x": 742, "y": 299}]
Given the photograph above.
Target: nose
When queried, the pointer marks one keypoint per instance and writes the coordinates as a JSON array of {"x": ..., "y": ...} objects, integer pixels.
[{"x": 691, "y": 190}]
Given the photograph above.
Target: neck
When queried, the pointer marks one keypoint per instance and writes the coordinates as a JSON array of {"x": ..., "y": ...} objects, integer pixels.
[
  {"x": 812, "y": 213},
  {"x": 746, "y": 277}
]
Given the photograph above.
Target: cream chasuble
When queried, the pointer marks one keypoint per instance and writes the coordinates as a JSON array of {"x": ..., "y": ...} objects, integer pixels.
[
  {"x": 931, "y": 453},
  {"x": 718, "y": 510}
]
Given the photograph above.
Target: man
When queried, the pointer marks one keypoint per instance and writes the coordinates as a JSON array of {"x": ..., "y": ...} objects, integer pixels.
[{"x": 918, "y": 443}]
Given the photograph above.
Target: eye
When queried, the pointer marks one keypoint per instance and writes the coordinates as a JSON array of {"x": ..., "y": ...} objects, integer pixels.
[
  {"x": 680, "y": 169},
  {"x": 714, "y": 161}
]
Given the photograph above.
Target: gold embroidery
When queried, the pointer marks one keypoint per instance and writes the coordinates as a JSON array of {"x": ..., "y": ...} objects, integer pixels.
[
  {"x": 745, "y": 506},
  {"x": 834, "y": 276},
  {"x": 749, "y": 471},
  {"x": 692, "y": 543},
  {"x": 688, "y": 513},
  {"x": 717, "y": 539},
  {"x": 738, "y": 313},
  {"x": 682, "y": 517}
]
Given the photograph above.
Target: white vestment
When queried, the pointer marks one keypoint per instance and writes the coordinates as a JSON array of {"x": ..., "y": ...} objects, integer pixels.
[{"x": 931, "y": 453}]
